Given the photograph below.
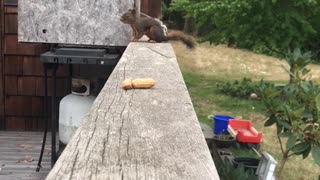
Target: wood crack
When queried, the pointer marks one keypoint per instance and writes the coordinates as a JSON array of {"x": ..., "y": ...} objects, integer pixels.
[
  {"x": 120, "y": 167},
  {"x": 158, "y": 52},
  {"x": 120, "y": 133},
  {"x": 128, "y": 118},
  {"x": 137, "y": 169},
  {"x": 124, "y": 71},
  {"x": 92, "y": 134},
  {"x": 88, "y": 164},
  {"x": 105, "y": 141},
  {"x": 74, "y": 165},
  {"x": 128, "y": 142},
  {"x": 63, "y": 162}
]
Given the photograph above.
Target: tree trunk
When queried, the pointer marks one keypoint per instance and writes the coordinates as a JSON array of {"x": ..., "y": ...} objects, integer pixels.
[
  {"x": 283, "y": 162},
  {"x": 292, "y": 74},
  {"x": 190, "y": 26}
]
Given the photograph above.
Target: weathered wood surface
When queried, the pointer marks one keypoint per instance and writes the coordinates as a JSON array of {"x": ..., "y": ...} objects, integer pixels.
[
  {"x": 19, "y": 154},
  {"x": 139, "y": 134},
  {"x": 207, "y": 131},
  {"x": 85, "y": 22}
]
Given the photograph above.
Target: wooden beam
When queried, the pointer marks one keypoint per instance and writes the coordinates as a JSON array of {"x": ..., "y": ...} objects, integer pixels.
[
  {"x": 143, "y": 133},
  {"x": 138, "y": 7},
  {"x": 151, "y": 8}
]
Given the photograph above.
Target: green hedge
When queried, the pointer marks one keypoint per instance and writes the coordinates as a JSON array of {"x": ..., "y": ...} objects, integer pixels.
[{"x": 265, "y": 26}]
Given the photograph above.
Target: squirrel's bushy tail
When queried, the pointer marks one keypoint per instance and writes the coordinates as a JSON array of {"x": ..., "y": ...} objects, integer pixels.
[{"x": 180, "y": 36}]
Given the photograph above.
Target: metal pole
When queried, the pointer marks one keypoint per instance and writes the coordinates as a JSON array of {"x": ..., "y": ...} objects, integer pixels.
[
  {"x": 53, "y": 116},
  {"x": 45, "y": 114},
  {"x": 70, "y": 73}
]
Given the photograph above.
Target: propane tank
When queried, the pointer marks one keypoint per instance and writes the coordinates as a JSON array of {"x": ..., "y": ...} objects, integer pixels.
[{"x": 73, "y": 108}]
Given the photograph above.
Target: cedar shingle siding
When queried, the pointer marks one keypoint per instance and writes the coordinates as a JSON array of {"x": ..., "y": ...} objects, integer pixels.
[
  {"x": 21, "y": 73},
  {"x": 21, "y": 76}
]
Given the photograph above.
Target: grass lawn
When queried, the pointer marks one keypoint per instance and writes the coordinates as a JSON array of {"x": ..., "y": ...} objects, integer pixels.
[{"x": 204, "y": 67}]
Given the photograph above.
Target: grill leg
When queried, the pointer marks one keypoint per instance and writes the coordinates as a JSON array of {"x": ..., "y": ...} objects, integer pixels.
[
  {"x": 45, "y": 115},
  {"x": 53, "y": 116}
]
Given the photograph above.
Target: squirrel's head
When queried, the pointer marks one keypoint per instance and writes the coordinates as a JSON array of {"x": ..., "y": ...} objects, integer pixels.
[{"x": 129, "y": 17}]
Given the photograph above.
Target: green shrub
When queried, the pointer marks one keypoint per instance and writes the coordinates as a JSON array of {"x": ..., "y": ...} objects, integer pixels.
[
  {"x": 298, "y": 62},
  {"x": 294, "y": 110},
  {"x": 240, "y": 89}
]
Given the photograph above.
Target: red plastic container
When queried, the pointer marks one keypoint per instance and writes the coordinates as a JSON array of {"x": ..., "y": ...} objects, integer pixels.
[{"x": 244, "y": 131}]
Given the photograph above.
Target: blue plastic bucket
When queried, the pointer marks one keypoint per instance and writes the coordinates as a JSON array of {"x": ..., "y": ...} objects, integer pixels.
[{"x": 221, "y": 124}]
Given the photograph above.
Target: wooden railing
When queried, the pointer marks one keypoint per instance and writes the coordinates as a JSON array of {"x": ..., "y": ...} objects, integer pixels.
[{"x": 142, "y": 133}]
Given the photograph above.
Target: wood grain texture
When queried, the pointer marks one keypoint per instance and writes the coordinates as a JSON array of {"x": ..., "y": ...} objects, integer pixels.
[
  {"x": 13, "y": 47},
  {"x": 19, "y": 153},
  {"x": 143, "y": 133}
]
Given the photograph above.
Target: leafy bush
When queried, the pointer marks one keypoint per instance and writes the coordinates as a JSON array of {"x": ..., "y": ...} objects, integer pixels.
[
  {"x": 264, "y": 26},
  {"x": 241, "y": 89},
  {"x": 295, "y": 112},
  {"x": 294, "y": 109},
  {"x": 298, "y": 62}
]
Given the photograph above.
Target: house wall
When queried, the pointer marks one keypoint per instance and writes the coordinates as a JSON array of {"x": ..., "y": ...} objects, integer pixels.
[
  {"x": 21, "y": 77},
  {"x": 151, "y": 7},
  {"x": 1, "y": 76},
  {"x": 21, "y": 73}
]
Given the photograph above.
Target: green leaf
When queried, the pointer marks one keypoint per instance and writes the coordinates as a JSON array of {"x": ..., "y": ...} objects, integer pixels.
[
  {"x": 285, "y": 124},
  {"x": 316, "y": 154},
  {"x": 272, "y": 119},
  {"x": 279, "y": 128},
  {"x": 300, "y": 148},
  {"x": 284, "y": 134},
  {"x": 308, "y": 128},
  {"x": 298, "y": 112},
  {"x": 306, "y": 153},
  {"x": 291, "y": 141},
  {"x": 305, "y": 71}
]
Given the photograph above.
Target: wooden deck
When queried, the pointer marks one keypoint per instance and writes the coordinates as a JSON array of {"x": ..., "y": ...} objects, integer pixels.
[{"x": 19, "y": 154}]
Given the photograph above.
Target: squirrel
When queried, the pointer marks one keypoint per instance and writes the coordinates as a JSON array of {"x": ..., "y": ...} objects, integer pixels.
[{"x": 154, "y": 29}]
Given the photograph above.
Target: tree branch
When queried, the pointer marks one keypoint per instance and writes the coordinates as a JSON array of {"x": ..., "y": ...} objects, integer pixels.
[
  {"x": 282, "y": 150},
  {"x": 290, "y": 155}
]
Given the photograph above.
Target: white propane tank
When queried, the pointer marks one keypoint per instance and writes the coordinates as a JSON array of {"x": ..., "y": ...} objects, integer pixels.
[{"x": 72, "y": 110}]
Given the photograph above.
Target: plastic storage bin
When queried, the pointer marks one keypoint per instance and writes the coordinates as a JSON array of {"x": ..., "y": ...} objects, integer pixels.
[
  {"x": 221, "y": 124},
  {"x": 244, "y": 131}
]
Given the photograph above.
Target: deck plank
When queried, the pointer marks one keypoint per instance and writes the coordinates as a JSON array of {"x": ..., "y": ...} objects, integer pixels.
[{"x": 15, "y": 148}]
